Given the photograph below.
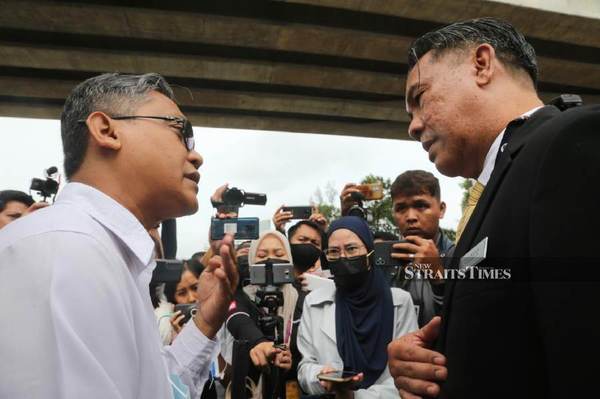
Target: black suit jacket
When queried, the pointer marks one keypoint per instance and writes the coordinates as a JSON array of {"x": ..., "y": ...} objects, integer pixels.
[{"x": 533, "y": 335}]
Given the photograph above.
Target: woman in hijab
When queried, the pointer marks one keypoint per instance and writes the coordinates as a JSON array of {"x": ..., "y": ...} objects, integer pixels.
[
  {"x": 348, "y": 327},
  {"x": 243, "y": 320}
]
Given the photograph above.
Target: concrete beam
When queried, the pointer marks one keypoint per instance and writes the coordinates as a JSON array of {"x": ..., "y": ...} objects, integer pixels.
[
  {"x": 388, "y": 130},
  {"x": 175, "y": 26},
  {"x": 532, "y": 22},
  {"x": 55, "y": 89},
  {"x": 189, "y": 66}
]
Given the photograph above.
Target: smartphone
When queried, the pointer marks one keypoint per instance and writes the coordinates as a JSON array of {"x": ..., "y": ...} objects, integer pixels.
[
  {"x": 298, "y": 212},
  {"x": 283, "y": 273},
  {"x": 337, "y": 376},
  {"x": 371, "y": 191},
  {"x": 382, "y": 253},
  {"x": 382, "y": 258},
  {"x": 188, "y": 310},
  {"x": 241, "y": 228}
]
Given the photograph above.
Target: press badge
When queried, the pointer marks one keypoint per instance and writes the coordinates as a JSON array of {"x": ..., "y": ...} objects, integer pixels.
[{"x": 475, "y": 255}]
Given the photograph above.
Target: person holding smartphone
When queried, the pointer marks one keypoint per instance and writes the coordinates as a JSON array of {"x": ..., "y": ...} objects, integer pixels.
[{"x": 347, "y": 327}]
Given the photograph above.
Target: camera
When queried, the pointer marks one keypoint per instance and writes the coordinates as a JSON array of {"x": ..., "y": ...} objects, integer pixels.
[
  {"x": 47, "y": 187},
  {"x": 234, "y": 198},
  {"x": 358, "y": 209}
]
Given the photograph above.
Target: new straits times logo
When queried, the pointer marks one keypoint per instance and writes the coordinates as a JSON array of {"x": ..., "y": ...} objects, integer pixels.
[{"x": 426, "y": 272}]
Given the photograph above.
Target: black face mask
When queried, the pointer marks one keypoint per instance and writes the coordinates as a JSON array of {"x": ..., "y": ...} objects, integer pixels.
[
  {"x": 305, "y": 256},
  {"x": 349, "y": 274},
  {"x": 243, "y": 269}
]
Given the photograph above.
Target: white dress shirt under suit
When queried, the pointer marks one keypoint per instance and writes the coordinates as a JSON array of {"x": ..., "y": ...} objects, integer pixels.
[{"x": 77, "y": 319}]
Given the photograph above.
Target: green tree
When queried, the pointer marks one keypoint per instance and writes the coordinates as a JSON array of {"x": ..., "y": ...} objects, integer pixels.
[
  {"x": 381, "y": 210},
  {"x": 326, "y": 203}
]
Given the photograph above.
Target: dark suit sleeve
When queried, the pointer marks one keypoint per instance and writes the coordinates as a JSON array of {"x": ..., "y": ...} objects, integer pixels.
[{"x": 565, "y": 264}]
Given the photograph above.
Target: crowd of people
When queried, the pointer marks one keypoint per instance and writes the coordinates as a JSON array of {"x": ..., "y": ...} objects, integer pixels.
[{"x": 334, "y": 323}]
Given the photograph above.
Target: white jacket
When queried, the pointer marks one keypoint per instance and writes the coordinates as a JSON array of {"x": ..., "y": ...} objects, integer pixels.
[{"x": 317, "y": 341}]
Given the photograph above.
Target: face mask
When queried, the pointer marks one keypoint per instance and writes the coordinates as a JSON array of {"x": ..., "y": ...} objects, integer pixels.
[
  {"x": 243, "y": 269},
  {"x": 305, "y": 256},
  {"x": 349, "y": 274}
]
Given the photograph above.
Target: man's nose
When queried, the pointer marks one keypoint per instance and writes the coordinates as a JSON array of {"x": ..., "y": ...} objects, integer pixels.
[
  {"x": 195, "y": 158},
  {"x": 415, "y": 128}
]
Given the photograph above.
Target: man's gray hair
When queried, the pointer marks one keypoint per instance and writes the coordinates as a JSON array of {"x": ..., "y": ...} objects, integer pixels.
[
  {"x": 510, "y": 45},
  {"x": 112, "y": 93}
]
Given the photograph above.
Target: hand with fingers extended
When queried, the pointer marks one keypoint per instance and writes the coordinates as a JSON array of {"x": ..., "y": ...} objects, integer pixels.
[
  {"x": 346, "y": 198},
  {"x": 216, "y": 286},
  {"x": 281, "y": 218},
  {"x": 341, "y": 390},
  {"x": 423, "y": 253},
  {"x": 417, "y": 370}
]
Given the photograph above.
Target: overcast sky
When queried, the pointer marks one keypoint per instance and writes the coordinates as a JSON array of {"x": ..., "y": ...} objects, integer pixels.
[{"x": 288, "y": 167}]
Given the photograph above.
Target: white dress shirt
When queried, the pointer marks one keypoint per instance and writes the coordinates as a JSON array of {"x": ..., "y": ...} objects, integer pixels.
[
  {"x": 490, "y": 158},
  {"x": 77, "y": 319}
]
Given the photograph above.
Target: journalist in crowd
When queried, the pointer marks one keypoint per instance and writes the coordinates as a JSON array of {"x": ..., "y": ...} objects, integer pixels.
[
  {"x": 89, "y": 330},
  {"x": 348, "y": 326},
  {"x": 15, "y": 204},
  {"x": 243, "y": 322}
]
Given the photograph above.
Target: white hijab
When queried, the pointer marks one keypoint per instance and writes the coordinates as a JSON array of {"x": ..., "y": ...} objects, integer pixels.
[{"x": 290, "y": 294}]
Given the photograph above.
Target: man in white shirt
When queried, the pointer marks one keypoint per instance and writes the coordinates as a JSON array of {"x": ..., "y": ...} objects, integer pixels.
[{"x": 85, "y": 328}]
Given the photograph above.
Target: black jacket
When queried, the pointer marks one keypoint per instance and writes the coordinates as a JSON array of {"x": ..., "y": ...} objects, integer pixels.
[{"x": 531, "y": 336}]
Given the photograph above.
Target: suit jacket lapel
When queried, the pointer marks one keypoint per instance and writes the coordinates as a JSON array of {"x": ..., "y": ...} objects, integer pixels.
[
  {"x": 465, "y": 243},
  {"x": 519, "y": 138}
]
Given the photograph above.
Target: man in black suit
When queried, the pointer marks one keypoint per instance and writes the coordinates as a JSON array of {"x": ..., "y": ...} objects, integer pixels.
[{"x": 473, "y": 105}]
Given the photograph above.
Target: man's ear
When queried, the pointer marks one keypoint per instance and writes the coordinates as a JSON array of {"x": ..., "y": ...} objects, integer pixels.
[
  {"x": 442, "y": 209},
  {"x": 484, "y": 59},
  {"x": 102, "y": 131}
]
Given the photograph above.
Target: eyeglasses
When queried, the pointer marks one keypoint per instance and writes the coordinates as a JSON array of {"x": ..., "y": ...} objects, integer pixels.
[
  {"x": 350, "y": 250},
  {"x": 182, "y": 124}
]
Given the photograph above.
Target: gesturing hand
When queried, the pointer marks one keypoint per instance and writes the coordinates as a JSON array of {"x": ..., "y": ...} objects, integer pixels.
[
  {"x": 216, "y": 286},
  {"x": 415, "y": 368}
]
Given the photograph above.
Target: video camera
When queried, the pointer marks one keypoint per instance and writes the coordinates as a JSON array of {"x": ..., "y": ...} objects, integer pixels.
[
  {"x": 234, "y": 198},
  {"x": 358, "y": 209},
  {"x": 47, "y": 187}
]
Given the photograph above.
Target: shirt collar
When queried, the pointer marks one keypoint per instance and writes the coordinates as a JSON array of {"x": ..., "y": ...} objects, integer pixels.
[
  {"x": 112, "y": 215},
  {"x": 490, "y": 158}
]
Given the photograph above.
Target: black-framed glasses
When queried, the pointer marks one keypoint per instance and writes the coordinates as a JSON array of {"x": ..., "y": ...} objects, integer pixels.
[
  {"x": 351, "y": 251},
  {"x": 183, "y": 125}
]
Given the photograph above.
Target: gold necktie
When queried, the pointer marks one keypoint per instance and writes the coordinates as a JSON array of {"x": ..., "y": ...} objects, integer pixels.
[{"x": 474, "y": 194}]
